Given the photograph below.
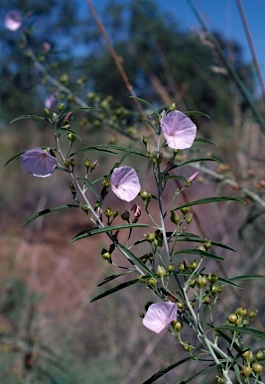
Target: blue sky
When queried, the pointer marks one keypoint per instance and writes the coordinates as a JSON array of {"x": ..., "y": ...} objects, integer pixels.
[{"x": 221, "y": 15}]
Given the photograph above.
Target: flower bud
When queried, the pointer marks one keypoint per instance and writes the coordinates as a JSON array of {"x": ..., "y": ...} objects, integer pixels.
[
  {"x": 152, "y": 282},
  {"x": 257, "y": 368},
  {"x": 108, "y": 212},
  {"x": 241, "y": 311},
  {"x": 253, "y": 314},
  {"x": 212, "y": 277},
  {"x": 193, "y": 264},
  {"x": 145, "y": 140},
  {"x": 232, "y": 318},
  {"x": 189, "y": 218},
  {"x": 180, "y": 305},
  {"x": 246, "y": 371},
  {"x": 154, "y": 160},
  {"x": 181, "y": 267},
  {"x": 161, "y": 272},
  {"x": 207, "y": 300},
  {"x": 259, "y": 355},
  {"x": 106, "y": 183},
  {"x": 136, "y": 211},
  {"x": 207, "y": 244},
  {"x": 94, "y": 165},
  {"x": 219, "y": 380},
  {"x": 174, "y": 217},
  {"x": 185, "y": 210},
  {"x": 143, "y": 258},
  {"x": 202, "y": 281},
  {"x": 172, "y": 107},
  {"x": 61, "y": 107},
  {"x": 115, "y": 213},
  {"x": 214, "y": 289},
  {"x": 187, "y": 347},
  {"x": 105, "y": 254},
  {"x": 71, "y": 137},
  {"x": 144, "y": 195},
  {"x": 177, "y": 325},
  {"x": 150, "y": 237},
  {"x": 87, "y": 163},
  {"x": 72, "y": 162},
  {"x": 171, "y": 268},
  {"x": 46, "y": 112},
  {"x": 125, "y": 215},
  {"x": 54, "y": 117}
]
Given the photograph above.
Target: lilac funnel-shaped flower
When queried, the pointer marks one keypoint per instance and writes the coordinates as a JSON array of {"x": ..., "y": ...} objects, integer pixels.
[
  {"x": 124, "y": 183},
  {"x": 159, "y": 316},
  {"x": 179, "y": 130},
  {"x": 38, "y": 162},
  {"x": 12, "y": 20}
]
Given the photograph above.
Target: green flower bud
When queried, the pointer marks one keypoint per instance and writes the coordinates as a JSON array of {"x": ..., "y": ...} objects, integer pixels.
[
  {"x": 125, "y": 215},
  {"x": 253, "y": 314},
  {"x": 202, "y": 281},
  {"x": 232, "y": 318},
  {"x": 189, "y": 218},
  {"x": 161, "y": 272},
  {"x": 105, "y": 254},
  {"x": 193, "y": 264},
  {"x": 54, "y": 117},
  {"x": 152, "y": 282},
  {"x": 192, "y": 283},
  {"x": 185, "y": 210},
  {"x": 214, "y": 289},
  {"x": 172, "y": 107},
  {"x": 187, "y": 347},
  {"x": 46, "y": 112},
  {"x": 72, "y": 162},
  {"x": 93, "y": 165},
  {"x": 181, "y": 267},
  {"x": 241, "y": 311},
  {"x": 171, "y": 268},
  {"x": 246, "y": 371},
  {"x": 207, "y": 244},
  {"x": 150, "y": 237},
  {"x": 144, "y": 195},
  {"x": 207, "y": 300},
  {"x": 115, "y": 213},
  {"x": 151, "y": 256},
  {"x": 219, "y": 380},
  {"x": 247, "y": 354},
  {"x": 106, "y": 183},
  {"x": 174, "y": 217},
  {"x": 177, "y": 325},
  {"x": 259, "y": 355},
  {"x": 87, "y": 163},
  {"x": 145, "y": 140},
  {"x": 212, "y": 277},
  {"x": 71, "y": 137},
  {"x": 180, "y": 305},
  {"x": 154, "y": 159},
  {"x": 143, "y": 258},
  {"x": 108, "y": 212},
  {"x": 257, "y": 368},
  {"x": 61, "y": 107}
]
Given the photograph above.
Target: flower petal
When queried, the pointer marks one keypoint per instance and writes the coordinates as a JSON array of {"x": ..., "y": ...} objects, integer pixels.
[
  {"x": 12, "y": 20},
  {"x": 159, "y": 316},
  {"x": 179, "y": 130},
  {"x": 125, "y": 183},
  {"x": 38, "y": 162}
]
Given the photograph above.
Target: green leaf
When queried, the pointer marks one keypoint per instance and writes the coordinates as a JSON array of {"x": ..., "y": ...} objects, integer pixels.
[
  {"x": 29, "y": 117},
  {"x": 162, "y": 372},
  {"x": 197, "y": 373},
  {"x": 249, "y": 331},
  {"x": 247, "y": 277},
  {"x": 210, "y": 200},
  {"x": 170, "y": 177},
  {"x": 146, "y": 103},
  {"x": 15, "y": 156},
  {"x": 134, "y": 259},
  {"x": 200, "y": 140},
  {"x": 188, "y": 113},
  {"x": 97, "y": 231},
  {"x": 108, "y": 148},
  {"x": 197, "y": 239},
  {"x": 89, "y": 184},
  {"x": 115, "y": 289},
  {"x": 200, "y": 159},
  {"x": 199, "y": 253},
  {"x": 112, "y": 277},
  {"x": 48, "y": 210}
]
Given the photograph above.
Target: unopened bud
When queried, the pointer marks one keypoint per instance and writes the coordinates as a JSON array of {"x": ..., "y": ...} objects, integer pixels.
[
  {"x": 144, "y": 195},
  {"x": 246, "y": 371},
  {"x": 94, "y": 165},
  {"x": 241, "y": 311},
  {"x": 202, "y": 281},
  {"x": 207, "y": 244},
  {"x": 61, "y": 107},
  {"x": 108, "y": 212},
  {"x": 106, "y": 183},
  {"x": 185, "y": 210},
  {"x": 150, "y": 237},
  {"x": 161, "y": 272},
  {"x": 257, "y": 368},
  {"x": 177, "y": 325},
  {"x": 232, "y": 318},
  {"x": 71, "y": 137},
  {"x": 152, "y": 282},
  {"x": 212, "y": 277},
  {"x": 189, "y": 218},
  {"x": 145, "y": 140},
  {"x": 125, "y": 215},
  {"x": 87, "y": 163},
  {"x": 259, "y": 355},
  {"x": 172, "y": 107},
  {"x": 174, "y": 217},
  {"x": 171, "y": 268},
  {"x": 72, "y": 162}
]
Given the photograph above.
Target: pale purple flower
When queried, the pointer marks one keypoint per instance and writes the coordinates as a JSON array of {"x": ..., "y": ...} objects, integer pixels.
[
  {"x": 49, "y": 101},
  {"x": 193, "y": 177},
  {"x": 13, "y": 20},
  {"x": 38, "y": 162},
  {"x": 159, "y": 316},
  {"x": 124, "y": 183},
  {"x": 179, "y": 130}
]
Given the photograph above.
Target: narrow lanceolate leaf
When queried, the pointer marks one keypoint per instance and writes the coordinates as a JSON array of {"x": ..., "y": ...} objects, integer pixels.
[
  {"x": 162, "y": 372},
  {"x": 248, "y": 277},
  {"x": 249, "y": 331},
  {"x": 205, "y": 141},
  {"x": 109, "y": 149},
  {"x": 29, "y": 117},
  {"x": 170, "y": 177},
  {"x": 134, "y": 259},
  {"x": 189, "y": 113},
  {"x": 15, "y": 156},
  {"x": 90, "y": 185},
  {"x": 198, "y": 160},
  {"x": 112, "y": 277},
  {"x": 48, "y": 210},
  {"x": 199, "y": 253},
  {"x": 189, "y": 237},
  {"x": 210, "y": 200},
  {"x": 97, "y": 231},
  {"x": 146, "y": 103},
  {"x": 197, "y": 373},
  {"x": 115, "y": 289}
]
